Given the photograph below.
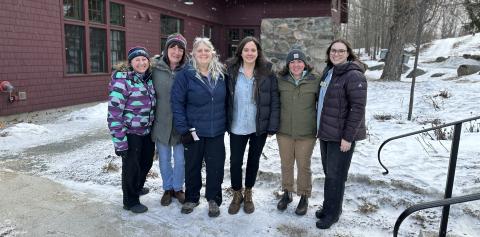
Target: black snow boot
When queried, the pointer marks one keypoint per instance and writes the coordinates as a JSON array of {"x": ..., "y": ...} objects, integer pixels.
[
  {"x": 286, "y": 199},
  {"x": 137, "y": 208},
  {"x": 302, "y": 206},
  {"x": 332, "y": 203}
]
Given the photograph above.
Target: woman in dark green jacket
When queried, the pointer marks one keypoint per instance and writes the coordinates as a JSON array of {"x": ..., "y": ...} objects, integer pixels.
[{"x": 298, "y": 87}]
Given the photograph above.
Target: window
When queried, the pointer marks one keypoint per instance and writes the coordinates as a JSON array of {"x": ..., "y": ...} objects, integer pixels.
[
  {"x": 98, "y": 50},
  {"x": 91, "y": 44},
  {"x": 73, "y": 9},
  {"x": 96, "y": 11},
  {"x": 169, "y": 25},
  {"x": 74, "y": 48},
  {"x": 117, "y": 47},
  {"x": 248, "y": 32},
  {"x": 117, "y": 14},
  {"x": 207, "y": 31},
  {"x": 234, "y": 34}
]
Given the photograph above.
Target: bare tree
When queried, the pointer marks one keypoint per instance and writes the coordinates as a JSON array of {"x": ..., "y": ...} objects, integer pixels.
[
  {"x": 368, "y": 24},
  {"x": 425, "y": 12},
  {"x": 473, "y": 11},
  {"x": 393, "y": 62},
  {"x": 451, "y": 17}
]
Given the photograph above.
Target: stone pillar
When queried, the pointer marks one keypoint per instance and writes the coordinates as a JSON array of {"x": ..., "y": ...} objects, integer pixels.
[{"x": 313, "y": 35}]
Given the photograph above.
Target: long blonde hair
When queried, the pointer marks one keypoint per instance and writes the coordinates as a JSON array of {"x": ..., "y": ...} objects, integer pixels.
[{"x": 215, "y": 68}]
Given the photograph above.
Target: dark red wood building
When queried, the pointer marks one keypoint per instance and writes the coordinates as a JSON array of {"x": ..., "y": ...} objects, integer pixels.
[{"x": 60, "y": 52}]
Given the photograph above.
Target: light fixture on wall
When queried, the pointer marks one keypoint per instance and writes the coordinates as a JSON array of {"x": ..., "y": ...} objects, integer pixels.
[
  {"x": 140, "y": 14},
  {"x": 188, "y": 2}
]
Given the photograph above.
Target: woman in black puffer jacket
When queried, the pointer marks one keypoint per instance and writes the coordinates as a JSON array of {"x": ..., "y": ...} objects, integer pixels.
[{"x": 341, "y": 122}]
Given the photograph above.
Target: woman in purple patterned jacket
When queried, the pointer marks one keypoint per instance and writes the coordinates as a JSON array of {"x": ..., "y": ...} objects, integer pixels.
[{"x": 131, "y": 110}]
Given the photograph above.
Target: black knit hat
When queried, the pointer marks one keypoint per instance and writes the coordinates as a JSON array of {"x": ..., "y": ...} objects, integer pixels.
[
  {"x": 137, "y": 51},
  {"x": 296, "y": 54}
]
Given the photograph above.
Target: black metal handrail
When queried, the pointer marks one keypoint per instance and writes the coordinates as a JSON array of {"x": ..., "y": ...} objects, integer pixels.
[
  {"x": 432, "y": 204},
  {"x": 451, "y": 168},
  {"x": 417, "y": 132}
]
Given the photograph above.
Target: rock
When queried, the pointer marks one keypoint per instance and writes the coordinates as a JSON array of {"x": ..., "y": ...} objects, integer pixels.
[
  {"x": 282, "y": 29},
  {"x": 466, "y": 69},
  {"x": 376, "y": 67},
  {"x": 440, "y": 59},
  {"x": 474, "y": 57},
  {"x": 418, "y": 72},
  {"x": 317, "y": 53},
  {"x": 300, "y": 35},
  {"x": 438, "y": 74}
]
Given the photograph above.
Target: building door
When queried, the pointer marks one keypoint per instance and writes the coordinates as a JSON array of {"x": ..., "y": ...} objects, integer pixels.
[{"x": 235, "y": 35}]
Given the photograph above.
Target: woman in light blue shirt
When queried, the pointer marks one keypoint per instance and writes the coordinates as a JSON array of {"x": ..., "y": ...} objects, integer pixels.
[{"x": 253, "y": 114}]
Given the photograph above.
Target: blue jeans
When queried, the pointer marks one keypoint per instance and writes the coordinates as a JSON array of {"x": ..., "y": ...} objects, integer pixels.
[{"x": 173, "y": 177}]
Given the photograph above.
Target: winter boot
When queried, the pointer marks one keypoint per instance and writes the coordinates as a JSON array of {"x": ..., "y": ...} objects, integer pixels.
[
  {"x": 143, "y": 191},
  {"x": 236, "y": 202},
  {"x": 320, "y": 213},
  {"x": 187, "y": 207},
  {"x": 332, "y": 203},
  {"x": 302, "y": 206},
  {"x": 248, "y": 206},
  {"x": 167, "y": 198},
  {"x": 138, "y": 208},
  {"x": 213, "y": 209},
  {"x": 180, "y": 196},
  {"x": 286, "y": 199}
]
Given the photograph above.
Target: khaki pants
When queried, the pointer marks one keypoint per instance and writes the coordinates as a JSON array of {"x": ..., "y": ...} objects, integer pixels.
[{"x": 299, "y": 150}]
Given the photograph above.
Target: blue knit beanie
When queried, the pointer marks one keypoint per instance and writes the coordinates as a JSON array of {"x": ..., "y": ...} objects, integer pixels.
[{"x": 137, "y": 51}]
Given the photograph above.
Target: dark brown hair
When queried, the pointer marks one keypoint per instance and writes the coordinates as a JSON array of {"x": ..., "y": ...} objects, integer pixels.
[
  {"x": 173, "y": 44},
  {"x": 235, "y": 62},
  {"x": 351, "y": 55}
]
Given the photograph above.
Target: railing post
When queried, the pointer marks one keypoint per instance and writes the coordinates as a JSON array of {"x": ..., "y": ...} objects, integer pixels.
[{"x": 450, "y": 178}]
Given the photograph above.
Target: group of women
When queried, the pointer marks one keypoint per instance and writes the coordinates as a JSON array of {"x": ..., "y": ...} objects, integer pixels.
[{"x": 185, "y": 106}]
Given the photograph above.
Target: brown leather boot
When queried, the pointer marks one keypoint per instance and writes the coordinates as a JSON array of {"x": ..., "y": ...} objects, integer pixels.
[
  {"x": 236, "y": 202},
  {"x": 248, "y": 206},
  {"x": 180, "y": 196},
  {"x": 167, "y": 198}
]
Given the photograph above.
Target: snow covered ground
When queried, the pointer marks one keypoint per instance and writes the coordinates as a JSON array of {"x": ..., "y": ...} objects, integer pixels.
[{"x": 76, "y": 150}]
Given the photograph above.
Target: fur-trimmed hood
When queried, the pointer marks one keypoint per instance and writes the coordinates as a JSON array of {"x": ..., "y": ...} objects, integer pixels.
[{"x": 125, "y": 67}]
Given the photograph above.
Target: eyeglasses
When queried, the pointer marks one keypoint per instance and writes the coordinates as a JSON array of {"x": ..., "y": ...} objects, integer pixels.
[{"x": 338, "y": 51}]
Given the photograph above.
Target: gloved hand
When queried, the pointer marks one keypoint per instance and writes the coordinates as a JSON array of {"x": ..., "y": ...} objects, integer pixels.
[
  {"x": 121, "y": 153},
  {"x": 186, "y": 138}
]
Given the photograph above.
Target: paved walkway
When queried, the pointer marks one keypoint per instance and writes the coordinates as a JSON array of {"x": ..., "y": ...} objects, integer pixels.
[{"x": 35, "y": 206}]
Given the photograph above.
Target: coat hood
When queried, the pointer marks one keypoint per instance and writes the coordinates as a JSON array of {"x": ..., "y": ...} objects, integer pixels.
[
  {"x": 125, "y": 67},
  {"x": 349, "y": 66}
]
